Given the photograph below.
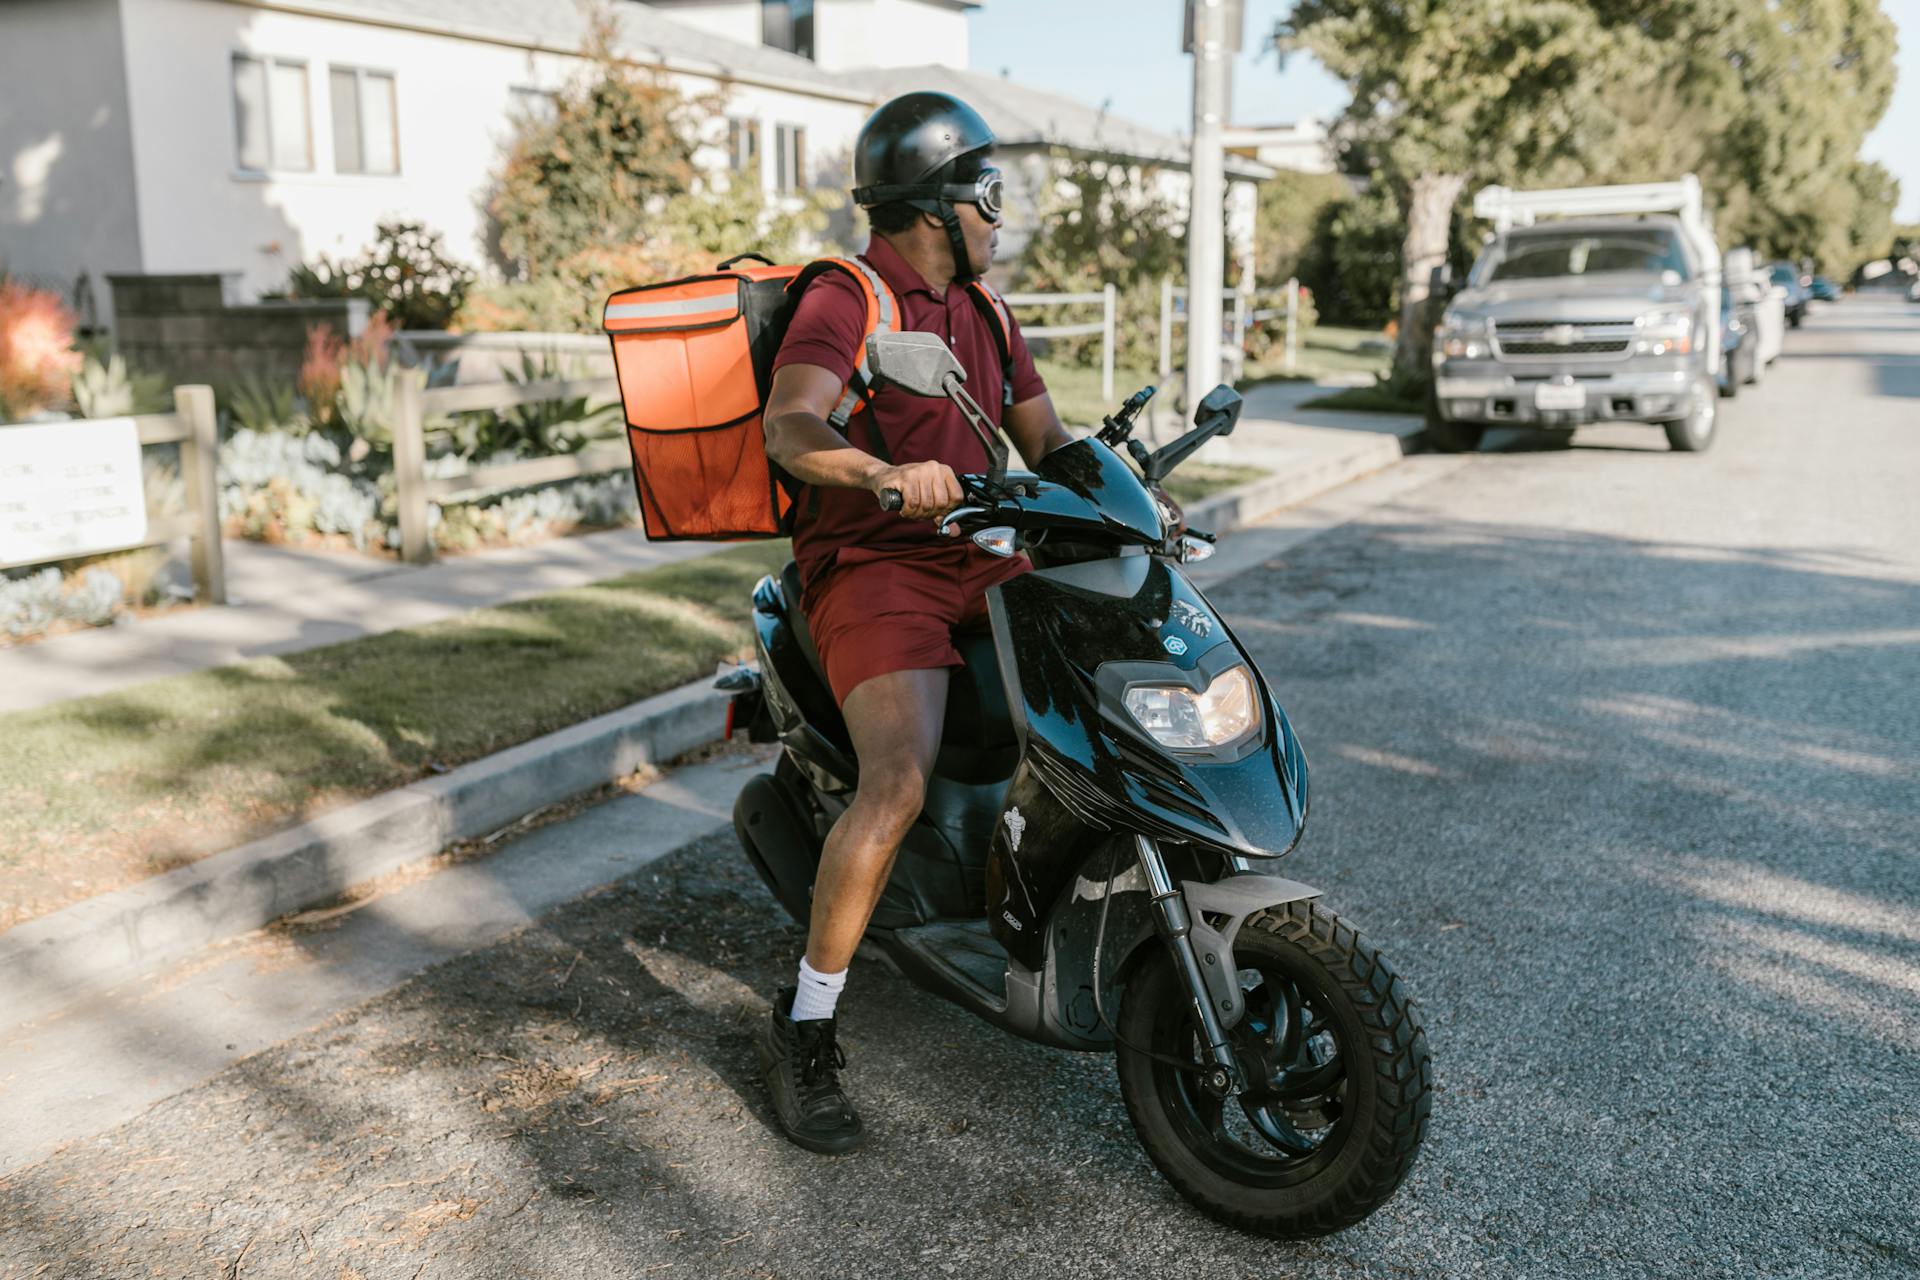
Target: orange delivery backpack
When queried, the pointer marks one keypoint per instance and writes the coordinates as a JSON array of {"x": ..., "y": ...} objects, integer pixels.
[{"x": 694, "y": 359}]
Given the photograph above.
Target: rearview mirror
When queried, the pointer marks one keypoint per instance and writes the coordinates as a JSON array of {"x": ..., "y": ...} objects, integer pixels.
[
  {"x": 1440, "y": 281},
  {"x": 917, "y": 363},
  {"x": 1217, "y": 415}
]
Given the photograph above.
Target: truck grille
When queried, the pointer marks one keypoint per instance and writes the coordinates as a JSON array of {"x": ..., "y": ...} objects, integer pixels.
[{"x": 1556, "y": 340}]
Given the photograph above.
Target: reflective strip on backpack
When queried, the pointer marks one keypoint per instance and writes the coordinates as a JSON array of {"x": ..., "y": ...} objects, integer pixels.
[
  {"x": 716, "y": 304},
  {"x": 883, "y": 305},
  {"x": 999, "y": 305}
]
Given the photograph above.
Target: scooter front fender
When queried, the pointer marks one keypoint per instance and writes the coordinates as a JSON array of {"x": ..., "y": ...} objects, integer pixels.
[{"x": 1218, "y": 909}]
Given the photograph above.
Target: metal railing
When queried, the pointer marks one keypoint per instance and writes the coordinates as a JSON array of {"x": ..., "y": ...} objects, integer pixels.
[
  {"x": 193, "y": 426},
  {"x": 1242, "y": 315},
  {"x": 1108, "y": 298}
]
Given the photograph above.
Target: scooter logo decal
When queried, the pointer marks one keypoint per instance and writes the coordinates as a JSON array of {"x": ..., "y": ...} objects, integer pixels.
[
  {"x": 1192, "y": 619},
  {"x": 1016, "y": 827},
  {"x": 1175, "y": 645}
]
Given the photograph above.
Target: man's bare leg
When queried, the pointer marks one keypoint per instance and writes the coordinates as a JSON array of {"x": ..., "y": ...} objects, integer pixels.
[{"x": 895, "y": 723}]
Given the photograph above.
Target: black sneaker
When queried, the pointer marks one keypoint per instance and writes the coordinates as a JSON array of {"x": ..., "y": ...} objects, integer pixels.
[{"x": 801, "y": 1061}]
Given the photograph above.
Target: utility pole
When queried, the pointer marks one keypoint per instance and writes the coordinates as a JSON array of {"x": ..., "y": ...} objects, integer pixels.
[{"x": 1213, "y": 33}]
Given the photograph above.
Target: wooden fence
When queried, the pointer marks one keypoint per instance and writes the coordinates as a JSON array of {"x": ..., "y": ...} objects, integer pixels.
[
  {"x": 193, "y": 427},
  {"x": 414, "y": 403}
]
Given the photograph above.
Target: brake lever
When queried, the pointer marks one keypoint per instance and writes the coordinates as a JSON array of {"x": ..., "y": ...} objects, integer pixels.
[{"x": 949, "y": 523}]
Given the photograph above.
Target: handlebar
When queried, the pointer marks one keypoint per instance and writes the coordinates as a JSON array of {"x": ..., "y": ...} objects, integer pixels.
[{"x": 891, "y": 500}]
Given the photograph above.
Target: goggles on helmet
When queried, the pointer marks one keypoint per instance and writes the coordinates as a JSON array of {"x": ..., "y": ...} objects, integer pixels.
[{"x": 988, "y": 192}]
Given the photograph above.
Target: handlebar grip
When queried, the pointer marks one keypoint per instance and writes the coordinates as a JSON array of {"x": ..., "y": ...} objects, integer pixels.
[{"x": 890, "y": 500}]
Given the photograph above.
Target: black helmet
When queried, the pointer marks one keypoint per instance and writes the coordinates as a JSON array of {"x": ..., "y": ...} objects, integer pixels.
[{"x": 928, "y": 150}]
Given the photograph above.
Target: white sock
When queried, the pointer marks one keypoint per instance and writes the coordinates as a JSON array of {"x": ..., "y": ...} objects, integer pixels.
[{"x": 816, "y": 993}]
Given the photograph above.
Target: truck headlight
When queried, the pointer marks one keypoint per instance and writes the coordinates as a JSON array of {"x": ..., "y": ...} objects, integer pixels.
[
  {"x": 1225, "y": 711},
  {"x": 1664, "y": 332},
  {"x": 1462, "y": 337}
]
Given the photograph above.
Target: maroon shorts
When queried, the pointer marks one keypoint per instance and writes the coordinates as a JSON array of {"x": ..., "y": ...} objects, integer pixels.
[{"x": 880, "y": 611}]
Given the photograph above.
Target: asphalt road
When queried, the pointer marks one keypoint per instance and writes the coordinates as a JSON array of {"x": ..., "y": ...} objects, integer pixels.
[{"x": 1615, "y": 754}]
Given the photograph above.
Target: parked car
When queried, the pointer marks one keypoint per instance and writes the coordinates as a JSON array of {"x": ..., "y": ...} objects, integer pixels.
[
  {"x": 1763, "y": 310},
  {"x": 1824, "y": 290},
  {"x": 1739, "y": 346},
  {"x": 1787, "y": 276},
  {"x": 1608, "y": 314}
]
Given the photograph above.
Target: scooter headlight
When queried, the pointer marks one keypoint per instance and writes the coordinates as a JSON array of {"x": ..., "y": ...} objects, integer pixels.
[{"x": 1225, "y": 711}]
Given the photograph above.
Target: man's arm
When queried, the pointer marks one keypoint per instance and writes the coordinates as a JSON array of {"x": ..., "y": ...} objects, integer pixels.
[
  {"x": 802, "y": 442},
  {"x": 1035, "y": 428}
]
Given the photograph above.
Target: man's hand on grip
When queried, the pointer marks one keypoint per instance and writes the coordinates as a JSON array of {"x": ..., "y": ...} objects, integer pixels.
[{"x": 928, "y": 490}]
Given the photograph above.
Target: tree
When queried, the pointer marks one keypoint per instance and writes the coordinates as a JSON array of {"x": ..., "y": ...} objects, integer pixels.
[
  {"x": 1780, "y": 95},
  {"x": 1446, "y": 92},
  {"x": 618, "y": 144}
]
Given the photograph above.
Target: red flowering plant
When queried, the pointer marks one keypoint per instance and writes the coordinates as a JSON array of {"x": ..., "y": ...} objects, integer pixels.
[{"x": 37, "y": 359}]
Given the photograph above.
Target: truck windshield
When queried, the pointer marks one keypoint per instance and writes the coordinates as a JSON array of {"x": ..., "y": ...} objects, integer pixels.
[{"x": 1544, "y": 256}]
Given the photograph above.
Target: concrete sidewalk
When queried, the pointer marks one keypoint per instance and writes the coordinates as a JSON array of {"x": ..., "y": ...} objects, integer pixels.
[{"x": 287, "y": 600}]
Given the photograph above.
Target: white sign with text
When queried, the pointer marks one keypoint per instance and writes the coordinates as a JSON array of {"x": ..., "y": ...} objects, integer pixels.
[{"x": 69, "y": 488}]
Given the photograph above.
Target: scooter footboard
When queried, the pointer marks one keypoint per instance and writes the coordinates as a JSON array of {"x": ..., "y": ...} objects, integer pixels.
[{"x": 1218, "y": 909}]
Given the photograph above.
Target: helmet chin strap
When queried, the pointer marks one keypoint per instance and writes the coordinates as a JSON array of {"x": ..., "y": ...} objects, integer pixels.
[{"x": 957, "y": 241}]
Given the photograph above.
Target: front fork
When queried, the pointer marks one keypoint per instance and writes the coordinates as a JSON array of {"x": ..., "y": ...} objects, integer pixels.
[{"x": 1174, "y": 922}]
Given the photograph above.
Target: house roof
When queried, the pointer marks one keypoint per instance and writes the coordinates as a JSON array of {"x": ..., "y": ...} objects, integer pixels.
[
  {"x": 646, "y": 35},
  {"x": 1024, "y": 116}
]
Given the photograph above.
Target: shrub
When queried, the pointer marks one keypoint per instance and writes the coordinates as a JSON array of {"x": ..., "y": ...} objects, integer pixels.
[
  {"x": 1101, "y": 221},
  {"x": 1288, "y": 218},
  {"x": 405, "y": 274},
  {"x": 1353, "y": 262},
  {"x": 37, "y": 359}
]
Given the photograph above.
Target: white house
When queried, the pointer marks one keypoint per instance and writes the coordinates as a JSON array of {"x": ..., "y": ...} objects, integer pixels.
[{"x": 184, "y": 136}]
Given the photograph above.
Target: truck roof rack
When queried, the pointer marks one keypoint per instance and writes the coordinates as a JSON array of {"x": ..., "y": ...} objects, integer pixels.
[{"x": 1507, "y": 208}]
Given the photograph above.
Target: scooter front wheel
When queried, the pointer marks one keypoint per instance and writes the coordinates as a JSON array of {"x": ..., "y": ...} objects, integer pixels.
[{"x": 1337, "y": 1079}]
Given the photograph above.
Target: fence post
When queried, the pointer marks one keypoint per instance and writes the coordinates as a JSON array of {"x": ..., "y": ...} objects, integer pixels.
[
  {"x": 1106, "y": 343},
  {"x": 199, "y": 460},
  {"x": 1240, "y": 323},
  {"x": 410, "y": 465},
  {"x": 1293, "y": 308}
]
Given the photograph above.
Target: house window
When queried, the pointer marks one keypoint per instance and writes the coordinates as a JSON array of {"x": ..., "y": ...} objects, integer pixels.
[
  {"x": 789, "y": 158},
  {"x": 743, "y": 146},
  {"x": 272, "y": 128},
  {"x": 528, "y": 103},
  {"x": 788, "y": 25},
  {"x": 366, "y": 129}
]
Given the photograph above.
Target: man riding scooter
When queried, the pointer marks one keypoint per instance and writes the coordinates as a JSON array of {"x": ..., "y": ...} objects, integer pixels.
[{"x": 883, "y": 592}]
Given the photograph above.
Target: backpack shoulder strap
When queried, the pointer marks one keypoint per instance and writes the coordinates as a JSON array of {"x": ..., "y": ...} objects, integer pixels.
[
  {"x": 882, "y": 317},
  {"x": 999, "y": 319}
]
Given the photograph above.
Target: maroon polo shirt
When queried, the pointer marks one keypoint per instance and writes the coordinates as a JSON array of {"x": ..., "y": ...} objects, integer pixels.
[{"x": 829, "y": 331}]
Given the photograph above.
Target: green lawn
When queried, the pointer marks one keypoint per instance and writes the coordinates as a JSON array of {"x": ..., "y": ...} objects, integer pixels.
[
  {"x": 1329, "y": 350},
  {"x": 1076, "y": 390},
  {"x": 98, "y": 792}
]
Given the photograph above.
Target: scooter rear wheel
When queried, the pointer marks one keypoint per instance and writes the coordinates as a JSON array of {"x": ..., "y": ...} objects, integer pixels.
[{"x": 1339, "y": 1081}]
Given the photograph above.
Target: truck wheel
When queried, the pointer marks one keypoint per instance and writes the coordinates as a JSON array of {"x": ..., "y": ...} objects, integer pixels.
[
  {"x": 1694, "y": 433},
  {"x": 1450, "y": 437}
]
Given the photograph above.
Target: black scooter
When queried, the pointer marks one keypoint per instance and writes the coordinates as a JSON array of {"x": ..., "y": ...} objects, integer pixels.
[{"x": 1093, "y": 868}]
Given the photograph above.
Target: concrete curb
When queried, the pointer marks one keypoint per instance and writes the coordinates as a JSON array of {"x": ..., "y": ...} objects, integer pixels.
[
  {"x": 1242, "y": 505},
  {"x": 49, "y": 961}
]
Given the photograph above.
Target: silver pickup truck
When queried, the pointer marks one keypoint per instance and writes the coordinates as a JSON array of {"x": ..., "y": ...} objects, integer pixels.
[{"x": 1608, "y": 317}]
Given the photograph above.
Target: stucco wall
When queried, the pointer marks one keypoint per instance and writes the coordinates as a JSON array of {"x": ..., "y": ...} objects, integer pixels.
[
  {"x": 888, "y": 33},
  {"x": 67, "y": 194},
  {"x": 200, "y": 213}
]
